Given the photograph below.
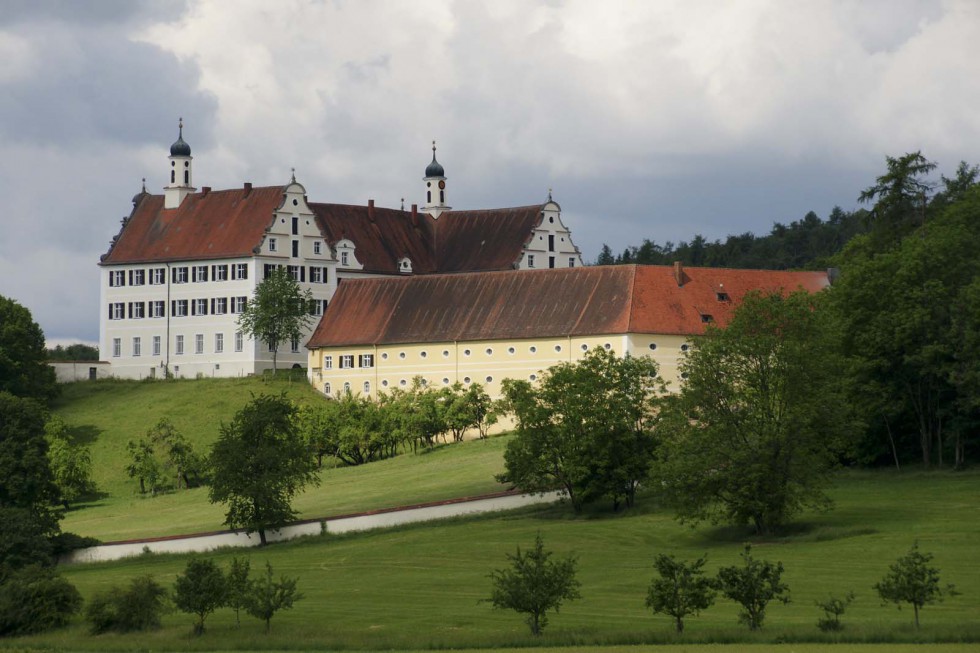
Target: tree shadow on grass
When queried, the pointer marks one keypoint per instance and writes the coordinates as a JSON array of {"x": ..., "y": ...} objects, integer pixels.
[
  {"x": 788, "y": 533},
  {"x": 84, "y": 434}
]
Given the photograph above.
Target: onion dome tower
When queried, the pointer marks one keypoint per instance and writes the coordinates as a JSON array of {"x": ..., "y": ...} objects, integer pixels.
[
  {"x": 435, "y": 187},
  {"x": 180, "y": 171}
]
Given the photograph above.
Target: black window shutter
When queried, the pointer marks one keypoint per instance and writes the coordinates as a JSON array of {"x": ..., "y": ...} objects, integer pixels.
[{"x": 302, "y": 273}]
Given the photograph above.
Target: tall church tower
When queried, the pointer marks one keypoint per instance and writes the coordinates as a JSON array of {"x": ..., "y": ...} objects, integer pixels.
[
  {"x": 180, "y": 171},
  {"x": 435, "y": 187}
]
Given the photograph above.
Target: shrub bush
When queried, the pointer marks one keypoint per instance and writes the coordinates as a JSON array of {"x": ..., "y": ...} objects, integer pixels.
[
  {"x": 139, "y": 607},
  {"x": 35, "y": 599}
]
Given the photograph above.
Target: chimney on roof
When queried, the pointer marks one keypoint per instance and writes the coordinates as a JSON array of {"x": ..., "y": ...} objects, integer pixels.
[
  {"x": 415, "y": 215},
  {"x": 248, "y": 188},
  {"x": 679, "y": 273},
  {"x": 205, "y": 190},
  {"x": 371, "y": 210}
]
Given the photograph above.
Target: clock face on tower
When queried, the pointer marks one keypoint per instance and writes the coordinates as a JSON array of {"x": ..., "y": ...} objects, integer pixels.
[{"x": 442, "y": 184}]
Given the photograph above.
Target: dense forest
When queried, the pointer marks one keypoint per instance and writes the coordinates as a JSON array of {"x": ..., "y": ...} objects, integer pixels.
[{"x": 808, "y": 243}]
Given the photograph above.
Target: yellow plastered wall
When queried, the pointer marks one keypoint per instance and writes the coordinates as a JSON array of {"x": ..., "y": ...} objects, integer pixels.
[{"x": 487, "y": 362}]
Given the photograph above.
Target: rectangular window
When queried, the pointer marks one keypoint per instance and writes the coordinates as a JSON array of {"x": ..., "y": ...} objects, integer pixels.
[
  {"x": 295, "y": 249},
  {"x": 293, "y": 271},
  {"x": 117, "y": 311},
  {"x": 156, "y": 345},
  {"x": 239, "y": 341},
  {"x": 158, "y": 276},
  {"x": 137, "y": 346},
  {"x": 199, "y": 343},
  {"x": 365, "y": 360},
  {"x": 178, "y": 308},
  {"x": 551, "y": 243},
  {"x": 347, "y": 362},
  {"x": 272, "y": 245},
  {"x": 317, "y": 247},
  {"x": 345, "y": 258},
  {"x": 571, "y": 262},
  {"x": 317, "y": 306},
  {"x": 179, "y": 345},
  {"x": 156, "y": 308},
  {"x": 316, "y": 274},
  {"x": 219, "y": 305},
  {"x": 200, "y": 273},
  {"x": 116, "y": 347},
  {"x": 295, "y": 226},
  {"x": 199, "y": 307},
  {"x": 294, "y": 346},
  {"x": 117, "y": 278},
  {"x": 551, "y": 261},
  {"x": 238, "y": 304},
  {"x": 239, "y": 271},
  {"x": 219, "y": 272},
  {"x": 219, "y": 343},
  {"x": 137, "y": 277},
  {"x": 179, "y": 275},
  {"x": 269, "y": 269},
  {"x": 328, "y": 362},
  {"x": 530, "y": 260},
  {"x": 136, "y": 310}
]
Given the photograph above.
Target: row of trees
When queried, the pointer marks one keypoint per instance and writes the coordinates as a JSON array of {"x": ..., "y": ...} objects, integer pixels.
[
  {"x": 807, "y": 243},
  {"x": 535, "y": 584}
]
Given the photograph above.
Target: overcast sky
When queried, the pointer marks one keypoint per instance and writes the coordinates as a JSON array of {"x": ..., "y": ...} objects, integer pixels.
[{"x": 650, "y": 119}]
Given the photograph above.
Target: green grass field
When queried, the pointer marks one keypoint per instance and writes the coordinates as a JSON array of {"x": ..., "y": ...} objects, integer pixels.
[
  {"x": 106, "y": 415},
  {"x": 418, "y": 587}
]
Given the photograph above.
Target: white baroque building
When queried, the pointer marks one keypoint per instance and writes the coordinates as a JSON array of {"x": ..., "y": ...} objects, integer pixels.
[{"x": 185, "y": 263}]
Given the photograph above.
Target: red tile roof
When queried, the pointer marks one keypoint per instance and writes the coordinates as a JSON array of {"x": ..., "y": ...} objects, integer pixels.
[
  {"x": 231, "y": 223},
  {"x": 541, "y": 303},
  {"x": 217, "y": 224}
]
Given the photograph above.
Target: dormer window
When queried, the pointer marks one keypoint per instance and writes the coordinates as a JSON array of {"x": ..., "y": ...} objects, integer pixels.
[
  {"x": 705, "y": 318},
  {"x": 723, "y": 296},
  {"x": 345, "y": 258}
]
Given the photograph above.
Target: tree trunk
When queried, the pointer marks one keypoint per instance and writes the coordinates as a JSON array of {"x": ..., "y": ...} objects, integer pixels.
[
  {"x": 915, "y": 606},
  {"x": 891, "y": 441},
  {"x": 262, "y": 541},
  {"x": 680, "y": 624}
]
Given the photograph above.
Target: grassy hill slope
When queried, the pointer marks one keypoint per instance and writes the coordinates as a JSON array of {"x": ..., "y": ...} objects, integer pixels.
[{"x": 107, "y": 415}]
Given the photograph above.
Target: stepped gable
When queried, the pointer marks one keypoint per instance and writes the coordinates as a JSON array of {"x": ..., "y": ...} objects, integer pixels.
[
  {"x": 206, "y": 225},
  {"x": 381, "y": 236},
  {"x": 662, "y": 305},
  {"x": 543, "y": 303},
  {"x": 474, "y": 241},
  {"x": 478, "y": 306}
]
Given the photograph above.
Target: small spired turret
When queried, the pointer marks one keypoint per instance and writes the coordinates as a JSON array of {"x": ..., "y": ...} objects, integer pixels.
[
  {"x": 435, "y": 187},
  {"x": 180, "y": 171}
]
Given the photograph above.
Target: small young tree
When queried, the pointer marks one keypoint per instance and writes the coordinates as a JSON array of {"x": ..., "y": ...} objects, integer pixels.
[
  {"x": 833, "y": 608},
  {"x": 144, "y": 466},
  {"x": 681, "y": 589},
  {"x": 534, "y": 585},
  {"x": 200, "y": 590},
  {"x": 278, "y": 312},
  {"x": 182, "y": 463},
  {"x": 71, "y": 463},
  {"x": 911, "y": 580},
  {"x": 753, "y": 586},
  {"x": 239, "y": 587},
  {"x": 269, "y": 596}
]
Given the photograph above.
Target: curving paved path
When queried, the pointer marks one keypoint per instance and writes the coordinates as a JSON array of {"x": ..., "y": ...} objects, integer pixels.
[{"x": 200, "y": 542}]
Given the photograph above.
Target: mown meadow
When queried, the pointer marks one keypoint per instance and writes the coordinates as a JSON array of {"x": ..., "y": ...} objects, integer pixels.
[{"x": 420, "y": 587}]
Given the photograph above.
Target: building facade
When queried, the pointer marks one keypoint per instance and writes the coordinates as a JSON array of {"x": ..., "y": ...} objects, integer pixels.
[
  {"x": 379, "y": 334},
  {"x": 185, "y": 263}
]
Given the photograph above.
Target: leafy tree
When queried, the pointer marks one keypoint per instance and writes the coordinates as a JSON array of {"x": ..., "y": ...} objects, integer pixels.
[
  {"x": 912, "y": 580},
  {"x": 71, "y": 463},
  {"x": 239, "y": 586},
  {"x": 753, "y": 586},
  {"x": 681, "y": 590},
  {"x": 482, "y": 408},
  {"x": 145, "y": 466},
  {"x": 587, "y": 428},
  {"x": 278, "y": 312},
  {"x": 762, "y": 416},
  {"x": 27, "y": 486},
  {"x": 24, "y": 371},
  {"x": 181, "y": 461},
  {"x": 317, "y": 425},
  {"x": 534, "y": 585},
  {"x": 140, "y": 606},
  {"x": 269, "y": 596},
  {"x": 200, "y": 590},
  {"x": 259, "y": 463},
  {"x": 34, "y": 599},
  {"x": 833, "y": 608}
]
